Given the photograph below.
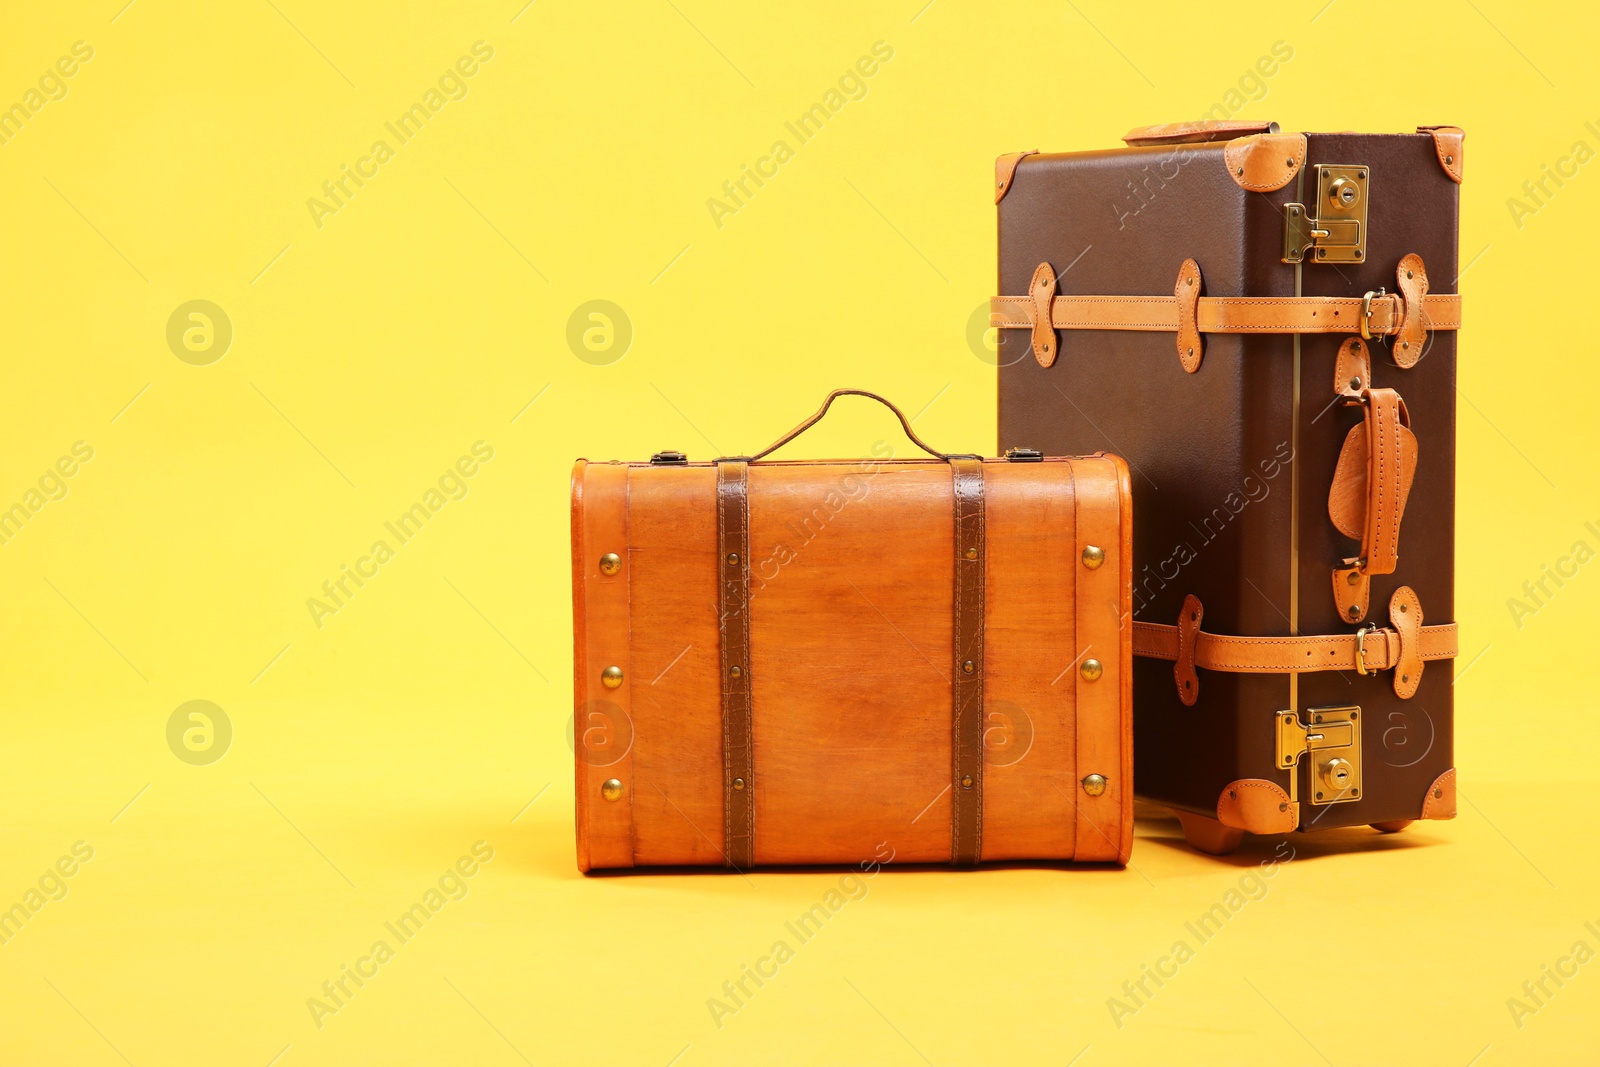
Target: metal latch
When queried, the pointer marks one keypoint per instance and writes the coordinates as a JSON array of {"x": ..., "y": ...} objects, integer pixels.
[
  {"x": 1024, "y": 455},
  {"x": 1335, "y": 223},
  {"x": 1332, "y": 743},
  {"x": 669, "y": 459}
]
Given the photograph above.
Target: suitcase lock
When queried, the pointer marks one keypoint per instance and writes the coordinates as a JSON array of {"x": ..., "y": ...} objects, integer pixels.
[
  {"x": 1335, "y": 224},
  {"x": 1332, "y": 743}
]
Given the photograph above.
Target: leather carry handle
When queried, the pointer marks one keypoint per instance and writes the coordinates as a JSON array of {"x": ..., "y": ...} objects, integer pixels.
[
  {"x": 1195, "y": 132},
  {"x": 905, "y": 424}
]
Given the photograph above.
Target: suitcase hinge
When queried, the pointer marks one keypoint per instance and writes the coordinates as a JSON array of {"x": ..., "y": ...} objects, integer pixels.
[
  {"x": 1335, "y": 223},
  {"x": 1332, "y": 741},
  {"x": 1024, "y": 455},
  {"x": 669, "y": 459}
]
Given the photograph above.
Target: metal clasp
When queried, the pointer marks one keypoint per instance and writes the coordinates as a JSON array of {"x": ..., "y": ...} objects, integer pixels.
[
  {"x": 1332, "y": 740},
  {"x": 1366, "y": 312},
  {"x": 1361, "y": 647},
  {"x": 1335, "y": 223}
]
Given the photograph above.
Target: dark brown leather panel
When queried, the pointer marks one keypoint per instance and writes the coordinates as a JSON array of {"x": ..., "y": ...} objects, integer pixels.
[
  {"x": 738, "y": 763},
  {"x": 967, "y": 625}
]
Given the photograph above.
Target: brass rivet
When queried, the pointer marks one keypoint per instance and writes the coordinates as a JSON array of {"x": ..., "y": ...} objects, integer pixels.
[
  {"x": 733, "y": 559},
  {"x": 1188, "y": 281},
  {"x": 1449, "y": 160},
  {"x": 1438, "y": 793},
  {"x": 966, "y": 781},
  {"x": 1289, "y": 163},
  {"x": 1405, "y": 678},
  {"x": 1402, "y": 607},
  {"x": 738, "y": 784},
  {"x": 1094, "y": 784},
  {"x": 611, "y": 789},
  {"x": 968, "y": 667},
  {"x": 1405, "y": 344},
  {"x": 1091, "y": 670},
  {"x": 611, "y": 677},
  {"x": 610, "y": 563},
  {"x": 1191, "y": 351},
  {"x": 1233, "y": 794},
  {"x": 1240, "y": 172},
  {"x": 972, "y": 553},
  {"x": 735, "y": 671},
  {"x": 1355, "y": 611},
  {"x": 1355, "y": 383},
  {"x": 1283, "y": 807},
  {"x": 1093, "y": 556},
  {"x": 1410, "y": 275},
  {"x": 1354, "y": 579}
]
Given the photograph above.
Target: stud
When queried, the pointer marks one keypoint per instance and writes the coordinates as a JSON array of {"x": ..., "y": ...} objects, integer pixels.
[
  {"x": 1091, "y": 670},
  {"x": 610, "y": 564},
  {"x": 1094, "y": 784},
  {"x": 733, "y": 559},
  {"x": 611, "y": 677},
  {"x": 968, "y": 667},
  {"x": 972, "y": 553},
  {"x": 966, "y": 781},
  {"x": 611, "y": 789},
  {"x": 1093, "y": 556},
  {"x": 738, "y": 784}
]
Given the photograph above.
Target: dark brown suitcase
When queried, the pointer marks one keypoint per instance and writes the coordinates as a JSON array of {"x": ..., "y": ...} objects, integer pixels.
[{"x": 1263, "y": 324}]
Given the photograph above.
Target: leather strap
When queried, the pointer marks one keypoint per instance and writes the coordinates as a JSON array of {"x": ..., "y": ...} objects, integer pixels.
[
  {"x": 1195, "y": 132},
  {"x": 905, "y": 424},
  {"x": 738, "y": 753},
  {"x": 1372, "y": 649},
  {"x": 966, "y": 810}
]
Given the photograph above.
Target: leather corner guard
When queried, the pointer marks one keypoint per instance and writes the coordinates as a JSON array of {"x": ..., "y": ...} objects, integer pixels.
[
  {"x": 1371, "y": 649},
  {"x": 1183, "y": 671},
  {"x": 1195, "y": 132},
  {"x": 967, "y": 666},
  {"x": 1257, "y": 805},
  {"x": 1448, "y": 144},
  {"x": 738, "y": 752},
  {"x": 1005, "y": 172},
  {"x": 1187, "y": 292},
  {"x": 1263, "y": 162},
  {"x": 1041, "y": 290},
  {"x": 1440, "y": 803},
  {"x": 1374, "y": 315}
]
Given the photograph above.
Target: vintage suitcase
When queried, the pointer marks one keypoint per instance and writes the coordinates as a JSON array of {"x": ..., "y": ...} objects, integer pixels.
[
  {"x": 1264, "y": 325},
  {"x": 907, "y": 660}
]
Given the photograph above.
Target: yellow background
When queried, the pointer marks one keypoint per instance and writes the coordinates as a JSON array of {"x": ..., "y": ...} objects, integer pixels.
[{"x": 372, "y": 351}]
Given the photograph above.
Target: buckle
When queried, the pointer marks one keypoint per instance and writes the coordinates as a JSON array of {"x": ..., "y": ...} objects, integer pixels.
[
  {"x": 1361, "y": 649},
  {"x": 1366, "y": 312}
]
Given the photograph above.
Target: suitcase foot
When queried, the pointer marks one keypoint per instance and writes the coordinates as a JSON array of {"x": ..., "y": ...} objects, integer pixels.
[
  {"x": 1209, "y": 835},
  {"x": 1394, "y": 826}
]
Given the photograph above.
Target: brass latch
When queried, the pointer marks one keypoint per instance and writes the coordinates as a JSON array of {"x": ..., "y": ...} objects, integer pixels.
[
  {"x": 1332, "y": 741},
  {"x": 1336, "y": 222}
]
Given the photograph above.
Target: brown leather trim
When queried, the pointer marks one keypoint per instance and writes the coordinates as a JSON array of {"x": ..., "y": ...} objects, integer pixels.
[
  {"x": 1282, "y": 655},
  {"x": 1187, "y": 291},
  {"x": 1005, "y": 171},
  {"x": 1449, "y": 143},
  {"x": 1195, "y": 132},
  {"x": 1412, "y": 336},
  {"x": 1263, "y": 162},
  {"x": 1257, "y": 805},
  {"x": 1440, "y": 803},
  {"x": 1226, "y": 314},
  {"x": 1405, "y": 611},
  {"x": 1041, "y": 290},
  {"x": 966, "y": 812},
  {"x": 602, "y": 628},
  {"x": 1183, "y": 671},
  {"x": 738, "y": 752}
]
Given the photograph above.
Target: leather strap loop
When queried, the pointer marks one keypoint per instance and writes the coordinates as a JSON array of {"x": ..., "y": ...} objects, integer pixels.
[
  {"x": 966, "y": 809},
  {"x": 1183, "y": 671},
  {"x": 905, "y": 424},
  {"x": 738, "y": 750},
  {"x": 1405, "y": 612},
  {"x": 1041, "y": 290},
  {"x": 1191, "y": 349},
  {"x": 1412, "y": 335}
]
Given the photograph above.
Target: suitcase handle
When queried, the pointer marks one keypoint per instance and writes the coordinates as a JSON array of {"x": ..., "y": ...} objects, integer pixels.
[
  {"x": 905, "y": 424},
  {"x": 1194, "y": 132}
]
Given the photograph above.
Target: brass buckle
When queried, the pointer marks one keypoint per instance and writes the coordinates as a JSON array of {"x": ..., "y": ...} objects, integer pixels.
[
  {"x": 1361, "y": 649},
  {"x": 1366, "y": 312}
]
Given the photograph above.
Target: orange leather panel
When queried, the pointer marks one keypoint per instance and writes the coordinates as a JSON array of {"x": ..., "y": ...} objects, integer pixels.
[
  {"x": 602, "y": 731},
  {"x": 677, "y": 756},
  {"x": 1105, "y": 823},
  {"x": 1030, "y": 771},
  {"x": 1449, "y": 142},
  {"x": 1005, "y": 172}
]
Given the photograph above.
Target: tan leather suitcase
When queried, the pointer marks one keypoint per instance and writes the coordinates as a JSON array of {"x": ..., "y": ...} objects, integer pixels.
[
  {"x": 911, "y": 660},
  {"x": 1264, "y": 323}
]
